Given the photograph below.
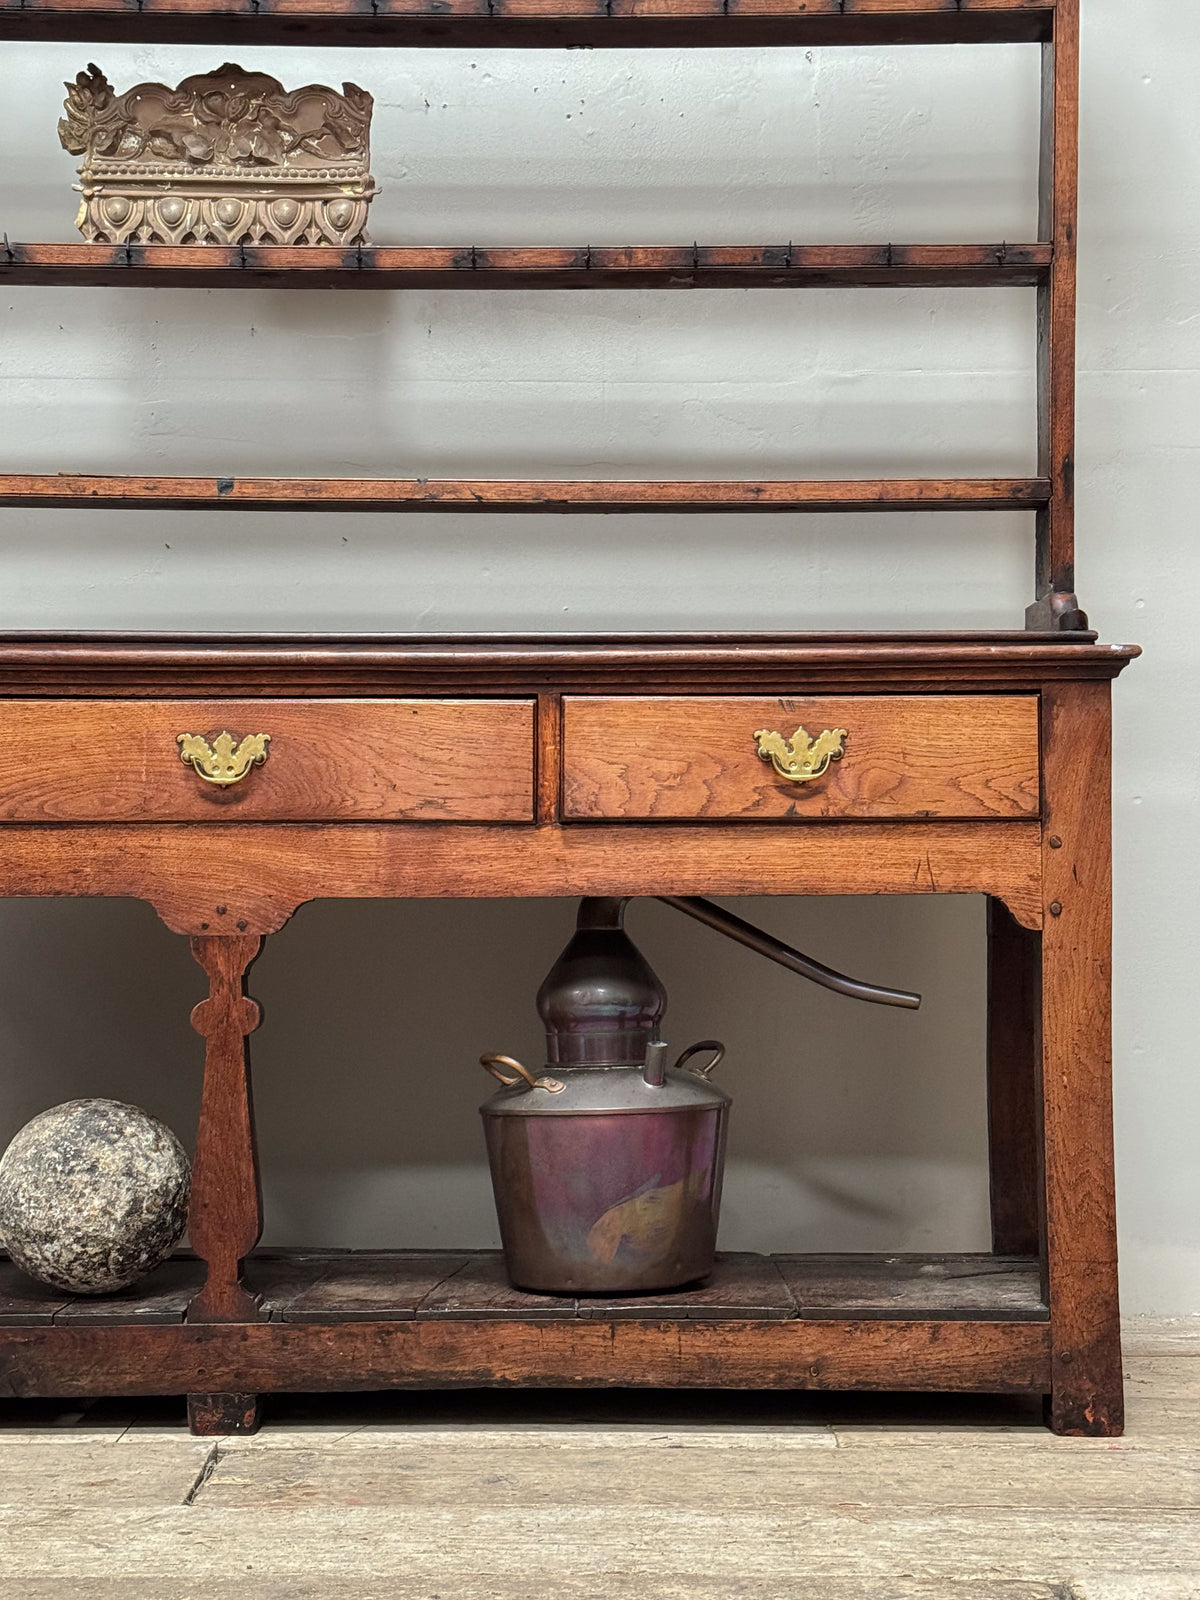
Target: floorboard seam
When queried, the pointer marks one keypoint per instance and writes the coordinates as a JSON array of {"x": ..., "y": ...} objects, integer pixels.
[{"x": 206, "y": 1471}]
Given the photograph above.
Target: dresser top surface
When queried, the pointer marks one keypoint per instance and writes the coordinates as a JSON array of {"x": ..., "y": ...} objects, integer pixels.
[{"x": 302, "y": 664}]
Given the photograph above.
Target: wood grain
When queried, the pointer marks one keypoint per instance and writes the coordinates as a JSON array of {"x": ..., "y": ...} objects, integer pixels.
[
  {"x": 24, "y": 1301},
  {"x": 760, "y": 1479},
  {"x": 549, "y": 757},
  {"x": 1076, "y": 1075},
  {"x": 108, "y": 1538},
  {"x": 263, "y": 1357},
  {"x": 276, "y": 1278},
  {"x": 1014, "y": 1042},
  {"x": 130, "y": 493},
  {"x": 646, "y": 1552},
  {"x": 366, "y": 1286},
  {"x": 163, "y": 1296},
  {"x": 412, "y": 1552},
  {"x": 927, "y": 1286},
  {"x": 225, "y": 1216},
  {"x": 641, "y": 757},
  {"x": 247, "y": 878},
  {"x": 335, "y": 759},
  {"x": 434, "y": 267},
  {"x": 480, "y": 1288},
  {"x": 741, "y": 1286},
  {"x": 80, "y": 1471}
]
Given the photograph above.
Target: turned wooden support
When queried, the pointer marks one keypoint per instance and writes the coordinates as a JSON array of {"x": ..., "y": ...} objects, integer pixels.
[
  {"x": 225, "y": 1217},
  {"x": 1013, "y": 1045},
  {"x": 1076, "y": 1062}
]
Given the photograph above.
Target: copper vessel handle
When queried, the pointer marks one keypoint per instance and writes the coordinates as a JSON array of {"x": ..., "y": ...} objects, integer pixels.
[
  {"x": 492, "y": 1063},
  {"x": 718, "y": 1050}
]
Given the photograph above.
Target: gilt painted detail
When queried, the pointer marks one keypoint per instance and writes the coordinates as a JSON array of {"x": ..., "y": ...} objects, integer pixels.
[
  {"x": 225, "y": 761},
  {"x": 800, "y": 759}
]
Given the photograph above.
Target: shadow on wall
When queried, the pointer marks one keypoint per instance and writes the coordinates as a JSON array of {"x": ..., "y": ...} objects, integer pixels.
[{"x": 854, "y": 1127}]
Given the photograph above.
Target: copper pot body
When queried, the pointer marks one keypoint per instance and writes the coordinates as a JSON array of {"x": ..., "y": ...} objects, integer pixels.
[
  {"x": 607, "y": 1170},
  {"x": 607, "y": 1183}
]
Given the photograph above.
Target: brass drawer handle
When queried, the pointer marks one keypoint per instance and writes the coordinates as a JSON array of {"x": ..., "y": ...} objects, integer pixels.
[
  {"x": 224, "y": 761},
  {"x": 801, "y": 759}
]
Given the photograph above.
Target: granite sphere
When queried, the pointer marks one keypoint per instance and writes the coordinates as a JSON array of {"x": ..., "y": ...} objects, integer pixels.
[{"x": 93, "y": 1195}]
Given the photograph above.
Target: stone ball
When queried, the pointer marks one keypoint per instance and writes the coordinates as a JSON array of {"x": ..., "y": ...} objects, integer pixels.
[{"x": 93, "y": 1195}]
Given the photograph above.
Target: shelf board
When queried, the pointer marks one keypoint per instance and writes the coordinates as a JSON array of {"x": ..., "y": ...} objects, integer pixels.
[
  {"x": 476, "y": 24},
  {"x": 76, "y": 491},
  {"x": 387, "y": 1286},
  {"x": 435, "y": 267},
  {"x": 426, "y": 1319}
]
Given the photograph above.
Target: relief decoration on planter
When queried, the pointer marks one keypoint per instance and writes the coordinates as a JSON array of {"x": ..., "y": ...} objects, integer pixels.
[{"x": 229, "y": 158}]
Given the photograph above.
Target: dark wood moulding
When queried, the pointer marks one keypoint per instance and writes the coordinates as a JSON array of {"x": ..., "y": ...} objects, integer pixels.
[
  {"x": 435, "y": 267},
  {"x": 475, "y": 24},
  {"x": 196, "y": 664},
  {"x": 127, "y": 493}
]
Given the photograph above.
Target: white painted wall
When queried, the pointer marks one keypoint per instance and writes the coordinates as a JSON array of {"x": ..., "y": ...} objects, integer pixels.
[{"x": 854, "y": 1127}]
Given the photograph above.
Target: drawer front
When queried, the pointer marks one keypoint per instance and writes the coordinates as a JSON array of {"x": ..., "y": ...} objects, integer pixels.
[
  {"x": 905, "y": 756},
  {"x": 323, "y": 760}
]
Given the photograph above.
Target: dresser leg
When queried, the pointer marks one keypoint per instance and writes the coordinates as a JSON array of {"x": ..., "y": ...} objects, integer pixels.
[
  {"x": 1076, "y": 1076},
  {"x": 210, "y": 1414},
  {"x": 225, "y": 1215},
  {"x": 1014, "y": 1003}
]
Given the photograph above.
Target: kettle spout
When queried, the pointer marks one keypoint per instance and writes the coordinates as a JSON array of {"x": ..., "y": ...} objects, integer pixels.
[{"x": 765, "y": 944}]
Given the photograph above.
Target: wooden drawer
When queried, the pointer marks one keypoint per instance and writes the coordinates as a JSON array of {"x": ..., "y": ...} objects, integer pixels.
[
  {"x": 909, "y": 756},
  {"x": 327, "y": 760}
]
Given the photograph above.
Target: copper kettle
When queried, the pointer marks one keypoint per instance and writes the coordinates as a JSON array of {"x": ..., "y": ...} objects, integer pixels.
[{"x": 607, "y": 1167}]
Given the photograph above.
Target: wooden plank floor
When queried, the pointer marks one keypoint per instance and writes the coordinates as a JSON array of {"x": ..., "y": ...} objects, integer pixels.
[{"x": 649, "y": 1496}]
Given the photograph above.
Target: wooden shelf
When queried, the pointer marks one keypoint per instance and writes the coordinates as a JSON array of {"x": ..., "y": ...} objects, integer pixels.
[
  {"x": 428, "y": 267},
  {"x": 370, "y": 1320},
  {"x": 395, "y": 1285},
  {"x": 531, "y": 23},
  {"x": 565, "y": 495}
]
